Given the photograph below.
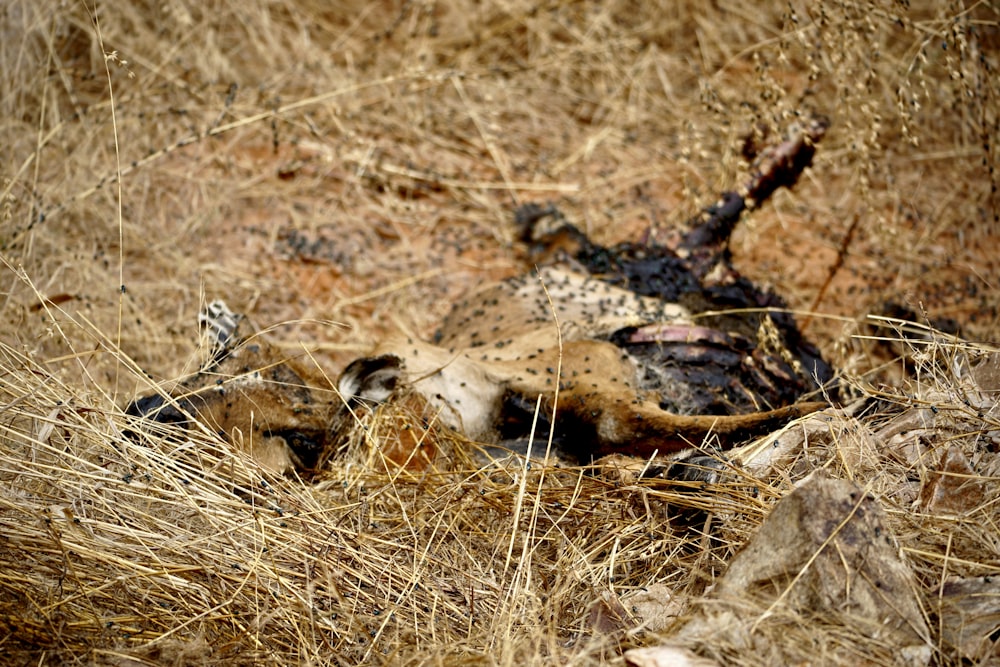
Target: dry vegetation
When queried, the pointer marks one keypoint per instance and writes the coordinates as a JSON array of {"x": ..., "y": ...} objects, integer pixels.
[{"x": 348, "y": 168}]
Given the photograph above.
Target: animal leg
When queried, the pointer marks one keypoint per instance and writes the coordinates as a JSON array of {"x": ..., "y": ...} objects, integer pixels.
[
  {"x": 600, "y": 411},
  {"x": 644, "y": 430}
]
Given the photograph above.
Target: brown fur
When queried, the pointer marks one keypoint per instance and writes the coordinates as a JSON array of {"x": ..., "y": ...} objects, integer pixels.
[
  {"x": 287, "y": 416},
  {"x": 269, "y": 405},
  {"x": 601, "y": 339},
  {"x": 592, "y": 384}
]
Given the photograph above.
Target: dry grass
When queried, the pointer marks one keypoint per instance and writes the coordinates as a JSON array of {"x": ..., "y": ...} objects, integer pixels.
[{"x": 350, "y": 168}]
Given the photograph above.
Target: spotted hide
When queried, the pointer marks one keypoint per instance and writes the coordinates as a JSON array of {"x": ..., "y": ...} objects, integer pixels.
[{"x": 640, "y": 349}]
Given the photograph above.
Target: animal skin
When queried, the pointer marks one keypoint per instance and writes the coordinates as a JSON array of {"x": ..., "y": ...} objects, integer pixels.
[{"x": 640, "y": 349}]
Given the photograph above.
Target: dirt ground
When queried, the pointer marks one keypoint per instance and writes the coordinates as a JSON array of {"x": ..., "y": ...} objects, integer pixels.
[{"x": 341, "y": 170}]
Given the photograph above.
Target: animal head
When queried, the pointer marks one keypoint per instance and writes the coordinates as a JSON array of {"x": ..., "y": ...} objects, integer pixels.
[{"x": 250, "y": 394}]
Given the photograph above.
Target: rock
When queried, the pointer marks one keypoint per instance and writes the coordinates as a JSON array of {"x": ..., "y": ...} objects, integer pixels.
[
  {"x": 970, "y": 617},
  {"x": 656, "y": 605},
  {"x": 953, "y": 488},
  {"x": 824, "y": 560},
  {"x": 666, "y": 656}
]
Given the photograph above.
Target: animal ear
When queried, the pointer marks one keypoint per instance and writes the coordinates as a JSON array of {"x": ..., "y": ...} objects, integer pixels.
[
  {"x": 691, "y": 466},
  {"x": 535, "y": 222},
  {"x": 308, "y": 449},
  {"x": 158, "y": 408},
  {"x": 548, "y": 233},
  {"x": 370, "y": 379},
  {"x": 219, "y": 327}
]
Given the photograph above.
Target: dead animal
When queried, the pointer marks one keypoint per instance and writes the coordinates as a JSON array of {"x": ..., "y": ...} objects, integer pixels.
[{"x": 643, "y": 348}]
